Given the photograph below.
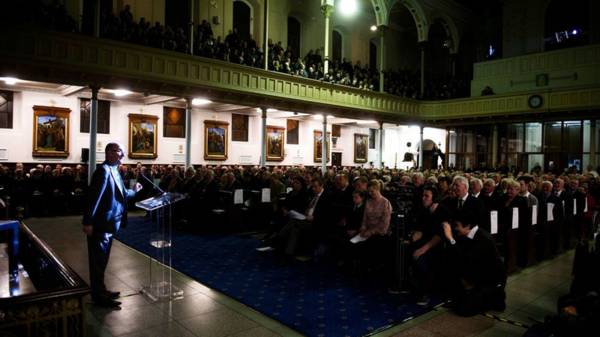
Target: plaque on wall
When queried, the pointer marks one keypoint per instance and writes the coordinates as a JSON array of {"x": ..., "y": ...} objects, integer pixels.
[
  {"x": 50, "y": 131},
  {"x": 142, "y": 136},
  {"x": 275, "y": 151},
  {"x": 174, "y": 122},
  {"x": 215, "y": 140}
]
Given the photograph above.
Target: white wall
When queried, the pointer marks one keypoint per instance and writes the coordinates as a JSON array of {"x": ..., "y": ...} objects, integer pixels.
[{"x": 18, "y": 140}]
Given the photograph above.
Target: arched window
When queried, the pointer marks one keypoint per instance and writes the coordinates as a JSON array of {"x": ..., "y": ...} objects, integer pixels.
[
  {"x": 242, "y": 14},
  {"x": 293, "y": 36},
  {"x": 567, "y": 24},
  {"x": 438, "y": 59},
  {"x": 336, "y": 48}
]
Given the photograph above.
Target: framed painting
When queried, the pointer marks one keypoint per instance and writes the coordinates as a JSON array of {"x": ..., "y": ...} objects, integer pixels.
[
  {"x": 215, "y": 140},
  {"x": 317, "y": 146},
  {"x": 239, "y": 128},
  {"x": 275, "y": 143},
  {"x": 143, "y": 136},
  {"x": 173, "y": 122},
  {"x": 292, "y": 131},
  {"x": 50, "y": 131},
  {"x": 361, "y": 148}
]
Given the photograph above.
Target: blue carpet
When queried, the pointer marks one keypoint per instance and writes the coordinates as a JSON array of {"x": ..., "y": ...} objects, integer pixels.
[{"x": 311, "y": 298}]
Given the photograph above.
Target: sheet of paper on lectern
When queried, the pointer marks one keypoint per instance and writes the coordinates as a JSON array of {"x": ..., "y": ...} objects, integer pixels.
[
  {"x": 550, "y": 212},
  {"x": 266, "y": 195},
  {"x": 238, "y": 197},
  {"x": 494, "y": 222}
]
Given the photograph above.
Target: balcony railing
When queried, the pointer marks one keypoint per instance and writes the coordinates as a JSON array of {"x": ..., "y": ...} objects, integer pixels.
[{"x": 82, "y": 60}]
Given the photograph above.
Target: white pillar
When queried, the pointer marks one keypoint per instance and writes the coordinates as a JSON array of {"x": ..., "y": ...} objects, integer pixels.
[
  {"x": 327, "y": 10},
  {"x": 266, "y": 36},
  {"x": 421, "y": 150},
  {"x": 263, "y": 139},
  {"x": 382, "y": 64},
  {"x": 380, "y": 152},
  {"x": 324, "y": 140},
  {"x": 93, "y": 131},
  {"x": 188, "y": 132}
]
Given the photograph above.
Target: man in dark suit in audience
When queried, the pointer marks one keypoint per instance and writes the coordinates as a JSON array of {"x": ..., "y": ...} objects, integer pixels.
[
  {"x": 464, "y": 204},
  {"x": 478, "y": 276},
  {"x": 306, "y": 228},
  {"x": 105, "y": 214},
  {"x": 490, "y": 200},
  {"x": 548, "y": 228}
]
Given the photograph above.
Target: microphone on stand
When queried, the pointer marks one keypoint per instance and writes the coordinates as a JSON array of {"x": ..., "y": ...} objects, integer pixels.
[{"x": 153, "y": 184}]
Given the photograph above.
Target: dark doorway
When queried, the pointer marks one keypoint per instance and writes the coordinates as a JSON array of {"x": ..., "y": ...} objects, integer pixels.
[
  {"x": 294, "y": 36},
  {"x": 337, "y": 159},
  {"x": 241, "y": 19},
  {"x": 336, "y": 46},
  {"x": 372, "y": 55},
  {"x": 178, "y": 14},
  {"x": 88, "y": 14}
]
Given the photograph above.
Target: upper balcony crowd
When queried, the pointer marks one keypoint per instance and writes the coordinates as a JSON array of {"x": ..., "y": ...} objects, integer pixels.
[{"x": 234, "y": 49}]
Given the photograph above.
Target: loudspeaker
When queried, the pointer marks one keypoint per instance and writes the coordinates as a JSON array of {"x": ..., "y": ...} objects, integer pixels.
[{"x": 85, "y": 155}]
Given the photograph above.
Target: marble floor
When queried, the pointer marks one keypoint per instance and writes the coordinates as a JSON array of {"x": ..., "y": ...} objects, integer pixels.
[{"x": 531, "y": 295}]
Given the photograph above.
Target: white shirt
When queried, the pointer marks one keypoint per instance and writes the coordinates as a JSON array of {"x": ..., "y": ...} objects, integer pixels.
[
  {"x": 472, "y": 233},
  {"x": 476, "y": 195}
]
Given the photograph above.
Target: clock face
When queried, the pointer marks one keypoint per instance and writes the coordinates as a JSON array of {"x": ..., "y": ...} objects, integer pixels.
[{"x": 535, "y": 101}]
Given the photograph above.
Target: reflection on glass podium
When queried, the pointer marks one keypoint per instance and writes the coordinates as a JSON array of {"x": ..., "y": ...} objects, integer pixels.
[{"x": 160, "y": 284}]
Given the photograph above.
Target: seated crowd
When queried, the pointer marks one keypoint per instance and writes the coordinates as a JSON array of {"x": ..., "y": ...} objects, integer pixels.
[
  {"x": 463, "y": 232},
  {"x": 246, "y": 51}
]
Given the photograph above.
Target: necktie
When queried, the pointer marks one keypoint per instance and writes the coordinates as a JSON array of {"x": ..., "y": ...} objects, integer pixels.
[
  {"x": 313, "y": 202},
  {"x": 460, "y": 203}
]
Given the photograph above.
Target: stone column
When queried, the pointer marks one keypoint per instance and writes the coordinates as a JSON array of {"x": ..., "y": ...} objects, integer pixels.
[
  {"x": 188, "y": 132},
  {"x": 422, "y": 46},
  {"x": 380, "y": 153},
  {"x": 263, "y": 139},
  {"x": 191, "y": 27},
  {"x": 266, "y": 35},
  {"x": 93, "y": 131},
  {"x": 327, "y": 10},
  {"x": 593, "y": 140},
  {"x": 382, "y": 63},
  {"x": 494, "y": 146},
  {"x": 97, "y": 15},
  {"x": 421, "y": 149},
  {"x": 324, "y": 152}
]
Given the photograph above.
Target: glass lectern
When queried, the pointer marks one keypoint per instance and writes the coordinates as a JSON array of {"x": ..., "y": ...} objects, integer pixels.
[{"x": 160, "y": 285}]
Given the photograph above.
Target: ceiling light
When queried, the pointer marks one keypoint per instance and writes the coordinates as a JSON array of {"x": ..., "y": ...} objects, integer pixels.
[
  {"x": 121, "y": 92},
  {"x": 10, "y": 80},
  {"x": 271, "y": 110},
  {"x": 200, "y": 101},
  {"x": 366, "y": 122},
  {"x": 373, "y": 28},
  {"x": 319, "y": 117},
  {"x": 347, "y": 7}
]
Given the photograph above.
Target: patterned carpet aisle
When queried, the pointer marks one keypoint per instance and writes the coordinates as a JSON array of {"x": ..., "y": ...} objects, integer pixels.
[{"x": 311, "y": 298}]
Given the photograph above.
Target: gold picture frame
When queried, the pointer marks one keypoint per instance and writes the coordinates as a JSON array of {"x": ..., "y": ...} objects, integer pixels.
[
  {"x": 51, "y": 131},
  {"x": 317, "y": 148},
  {"x": 275, "y": 143},
  {"x": 361, "y": 148},
  {"x": 215, "y": 140},
  {"x": 143, "y": 133}
]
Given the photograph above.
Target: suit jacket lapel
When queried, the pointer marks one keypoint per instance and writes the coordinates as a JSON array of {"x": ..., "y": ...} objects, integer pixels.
[{"x": 116, "y": 181}]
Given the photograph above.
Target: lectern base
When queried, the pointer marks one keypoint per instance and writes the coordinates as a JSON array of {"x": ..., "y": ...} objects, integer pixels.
[{"x": 162, "y": 291}]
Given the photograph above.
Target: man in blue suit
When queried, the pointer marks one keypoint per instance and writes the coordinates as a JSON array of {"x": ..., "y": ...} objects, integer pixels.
[{"x": 105, "y": 214}]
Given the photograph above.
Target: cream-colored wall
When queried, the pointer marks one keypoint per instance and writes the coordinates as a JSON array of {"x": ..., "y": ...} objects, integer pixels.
[{"x": 18, "y": 140}]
